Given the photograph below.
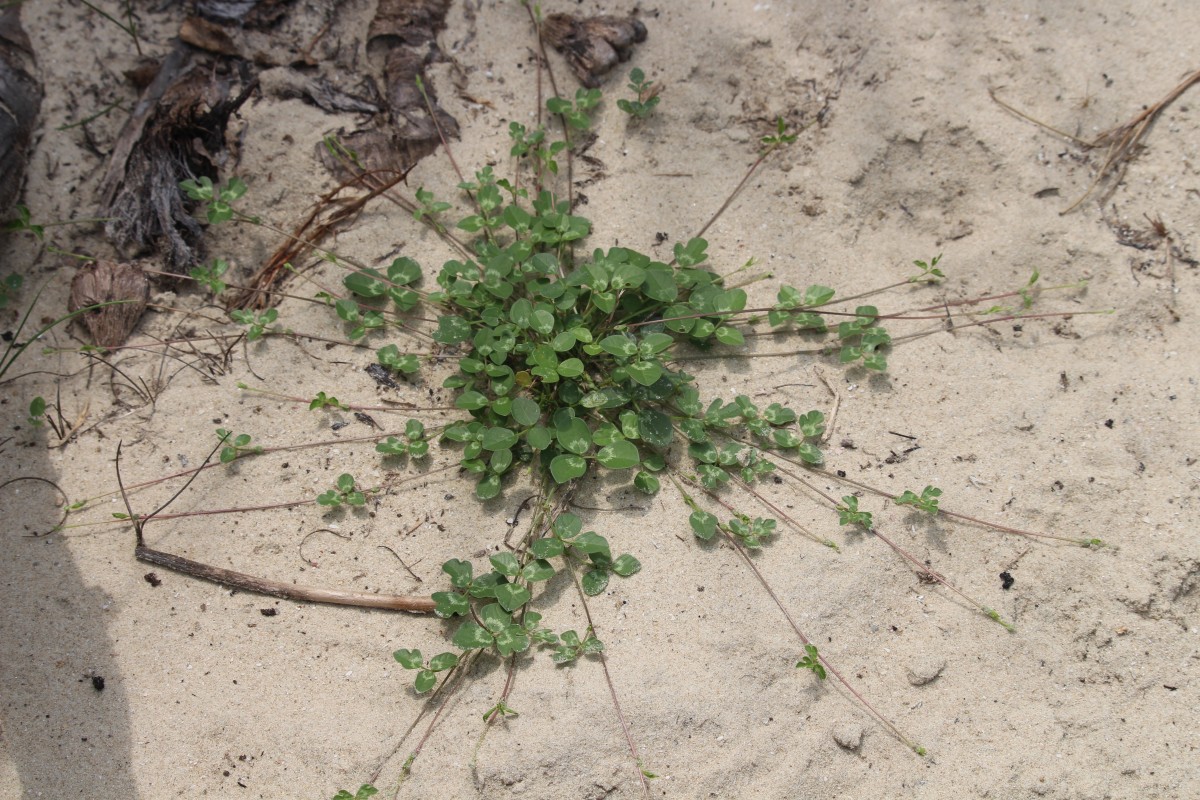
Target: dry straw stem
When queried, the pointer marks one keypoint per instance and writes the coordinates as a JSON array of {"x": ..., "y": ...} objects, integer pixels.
[{"x": 1121, "y": 140}]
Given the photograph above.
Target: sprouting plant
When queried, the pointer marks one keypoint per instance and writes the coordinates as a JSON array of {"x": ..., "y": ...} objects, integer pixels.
[
  {"x": 927, "y": 502},
  {"x": 322, "y": 401},
  {"x": 811, "y": 660},
  {"x": 428, "y": 207},
  {"x": 645, "y": 95},
  {"x": 862, "y": 339},
  {"x": 365, "y": 792},
  {"x": 576, "y": 114},
  {"x": 257, "y": 322},
  {"x": 236, "y": 446},
  {"x": 781, "y": 136},
  {"x": 1027, "y": 290},
  {"x": 209, "y": 276},
  {"x": 9, "y": 286},
  {"x": 929, "y": 271},
  {"x": 848, "y": 513},
  {"x": 216, "y": 201},
  {"x": 572, "y": 648},
  {"x": 24, "y": 222},
  {"x": 414, "y": 443},
  {"x": 343, "y": 493},
  {"x": 37, "y": 411},
  {"x": 426, "y": 671}
]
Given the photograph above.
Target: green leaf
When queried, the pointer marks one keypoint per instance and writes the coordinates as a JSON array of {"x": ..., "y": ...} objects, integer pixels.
[
  {"x": 547, "y": 548},
  {"x": 537, "y": 570},
  {"x": 459, "y": 571},
  {"x": 404, "y": 271},
  {"x": 625, "y": 565},
  {"x": 450, "y": 604},
  {"x": 443, "y": 661},
  {"x": 729, "y": 336},
  {"x": 539, "y": 437},
  {"x": 512, "y": 596},
  {"x": 590, "y": 542},
  {"x": 704, "y": 524},
  {"x": 525, "y": 411},
  {"x": 506, "y": 564},
  {"x": 595, "y": 581},
  {"x": 645, "y": 372},
  {"x": 512, "y": 639},
  {"x": 574, "y": 436},
  {"x": 570, "y": 368},
  {"x": 619, "y": 345},
  {"x": 425, "y": 681},
  {"x": 409, "y": 659},
  {"x": 498, "y": 439},
  {"x": 564, "y": 468},
  {"x": 471, "y": 400},
  {"x": 452, "y": 330},
  {"x": 655, "y": 427},
  {"x": 646, "y": 483},
  {"x": 619, "y": 455},
  {"x": 470, "y": 636}
]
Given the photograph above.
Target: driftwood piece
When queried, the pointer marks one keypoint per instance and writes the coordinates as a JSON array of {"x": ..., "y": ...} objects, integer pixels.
[
  {"x": 20, "y": 101},
  {"x": 103, "y": 282},
  {"x": 401, "y": 43},
  {"x": 286, "y": 591},
  {"x": 176, "y": 132},
  {"x": 593, "y": 45}
]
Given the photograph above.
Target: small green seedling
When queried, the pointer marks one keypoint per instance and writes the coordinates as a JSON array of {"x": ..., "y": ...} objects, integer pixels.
[
  {"x": 576, "y": 114},
  {"x": 257, "y": 322},
  {"x": 426, "y": 672},
  {"x": 343, "y": 493},
  {"x": 365, "y": 792},
  {"x": 9, "y": 286},
  {"x": 414, "y": 444},
  {"x": 646, "y": 95},
  {"x": 781, "y": 136},
  {"x": 812, "y": 661},
  {"x": 37, "y": 411},
  {"x": 209, "y": 276},
  {"x": 501, "y": 710},
  {"x": 929, "y": 271},
  {"x": 1027, "y": 290},
  {"x": 217, "y": 202},
  {"x": 236, "y": 446},
  {"x": 323, "y": 400},
  {"x": 848, "y": 513},
  {"x": 24, "y": 222},
  {"x": 572, "y": 647},
  {"x": 429, "y": 208},
  {"x": 927, "y": 502}
]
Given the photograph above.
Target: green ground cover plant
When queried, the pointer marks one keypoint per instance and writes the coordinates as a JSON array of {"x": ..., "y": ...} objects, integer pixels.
[{"x": 570, "y": 360}]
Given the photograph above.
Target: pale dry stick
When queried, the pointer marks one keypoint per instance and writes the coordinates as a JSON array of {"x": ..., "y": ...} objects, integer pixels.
[
  {"x": 285, "y": 591},
  {"x": 238, "y": 580},
  {"x": 837, "y": 403}
]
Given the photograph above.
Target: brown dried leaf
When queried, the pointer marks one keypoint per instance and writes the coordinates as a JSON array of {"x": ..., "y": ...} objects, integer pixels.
[
  {"x": 593, "y": 45},
  {"x": 105, "y": 281}
]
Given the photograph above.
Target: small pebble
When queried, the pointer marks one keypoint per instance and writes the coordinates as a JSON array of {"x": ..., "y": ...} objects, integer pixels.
[
  {"x": 925, "y": 669},
  {"x": 848, "y": 735}
]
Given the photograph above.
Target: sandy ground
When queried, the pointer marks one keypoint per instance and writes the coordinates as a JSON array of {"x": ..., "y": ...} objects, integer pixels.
[{"x": 1080, "y": 427}]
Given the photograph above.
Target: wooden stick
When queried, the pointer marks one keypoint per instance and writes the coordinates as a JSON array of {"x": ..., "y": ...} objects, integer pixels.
[{"x": 238, "y": 580}]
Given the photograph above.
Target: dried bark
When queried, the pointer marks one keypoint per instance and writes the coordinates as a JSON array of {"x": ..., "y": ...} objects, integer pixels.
[
  {"x": 20, "y": 101},
  {"x": 176, "y": 132},
  {"x": 103, "y": 282},
  {"x": 593, "y": 45}
]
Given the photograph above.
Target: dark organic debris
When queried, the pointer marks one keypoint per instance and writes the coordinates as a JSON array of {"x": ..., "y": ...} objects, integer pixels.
[
  {"x": 1006, "y": 580},
  {"x": 20, "y": 101},
  {"x": 176, "y": 132},
  {"x": 593, "y": 45},
  {"x": 401, "y": 42},
  {"x": 105, "y": 281}
]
